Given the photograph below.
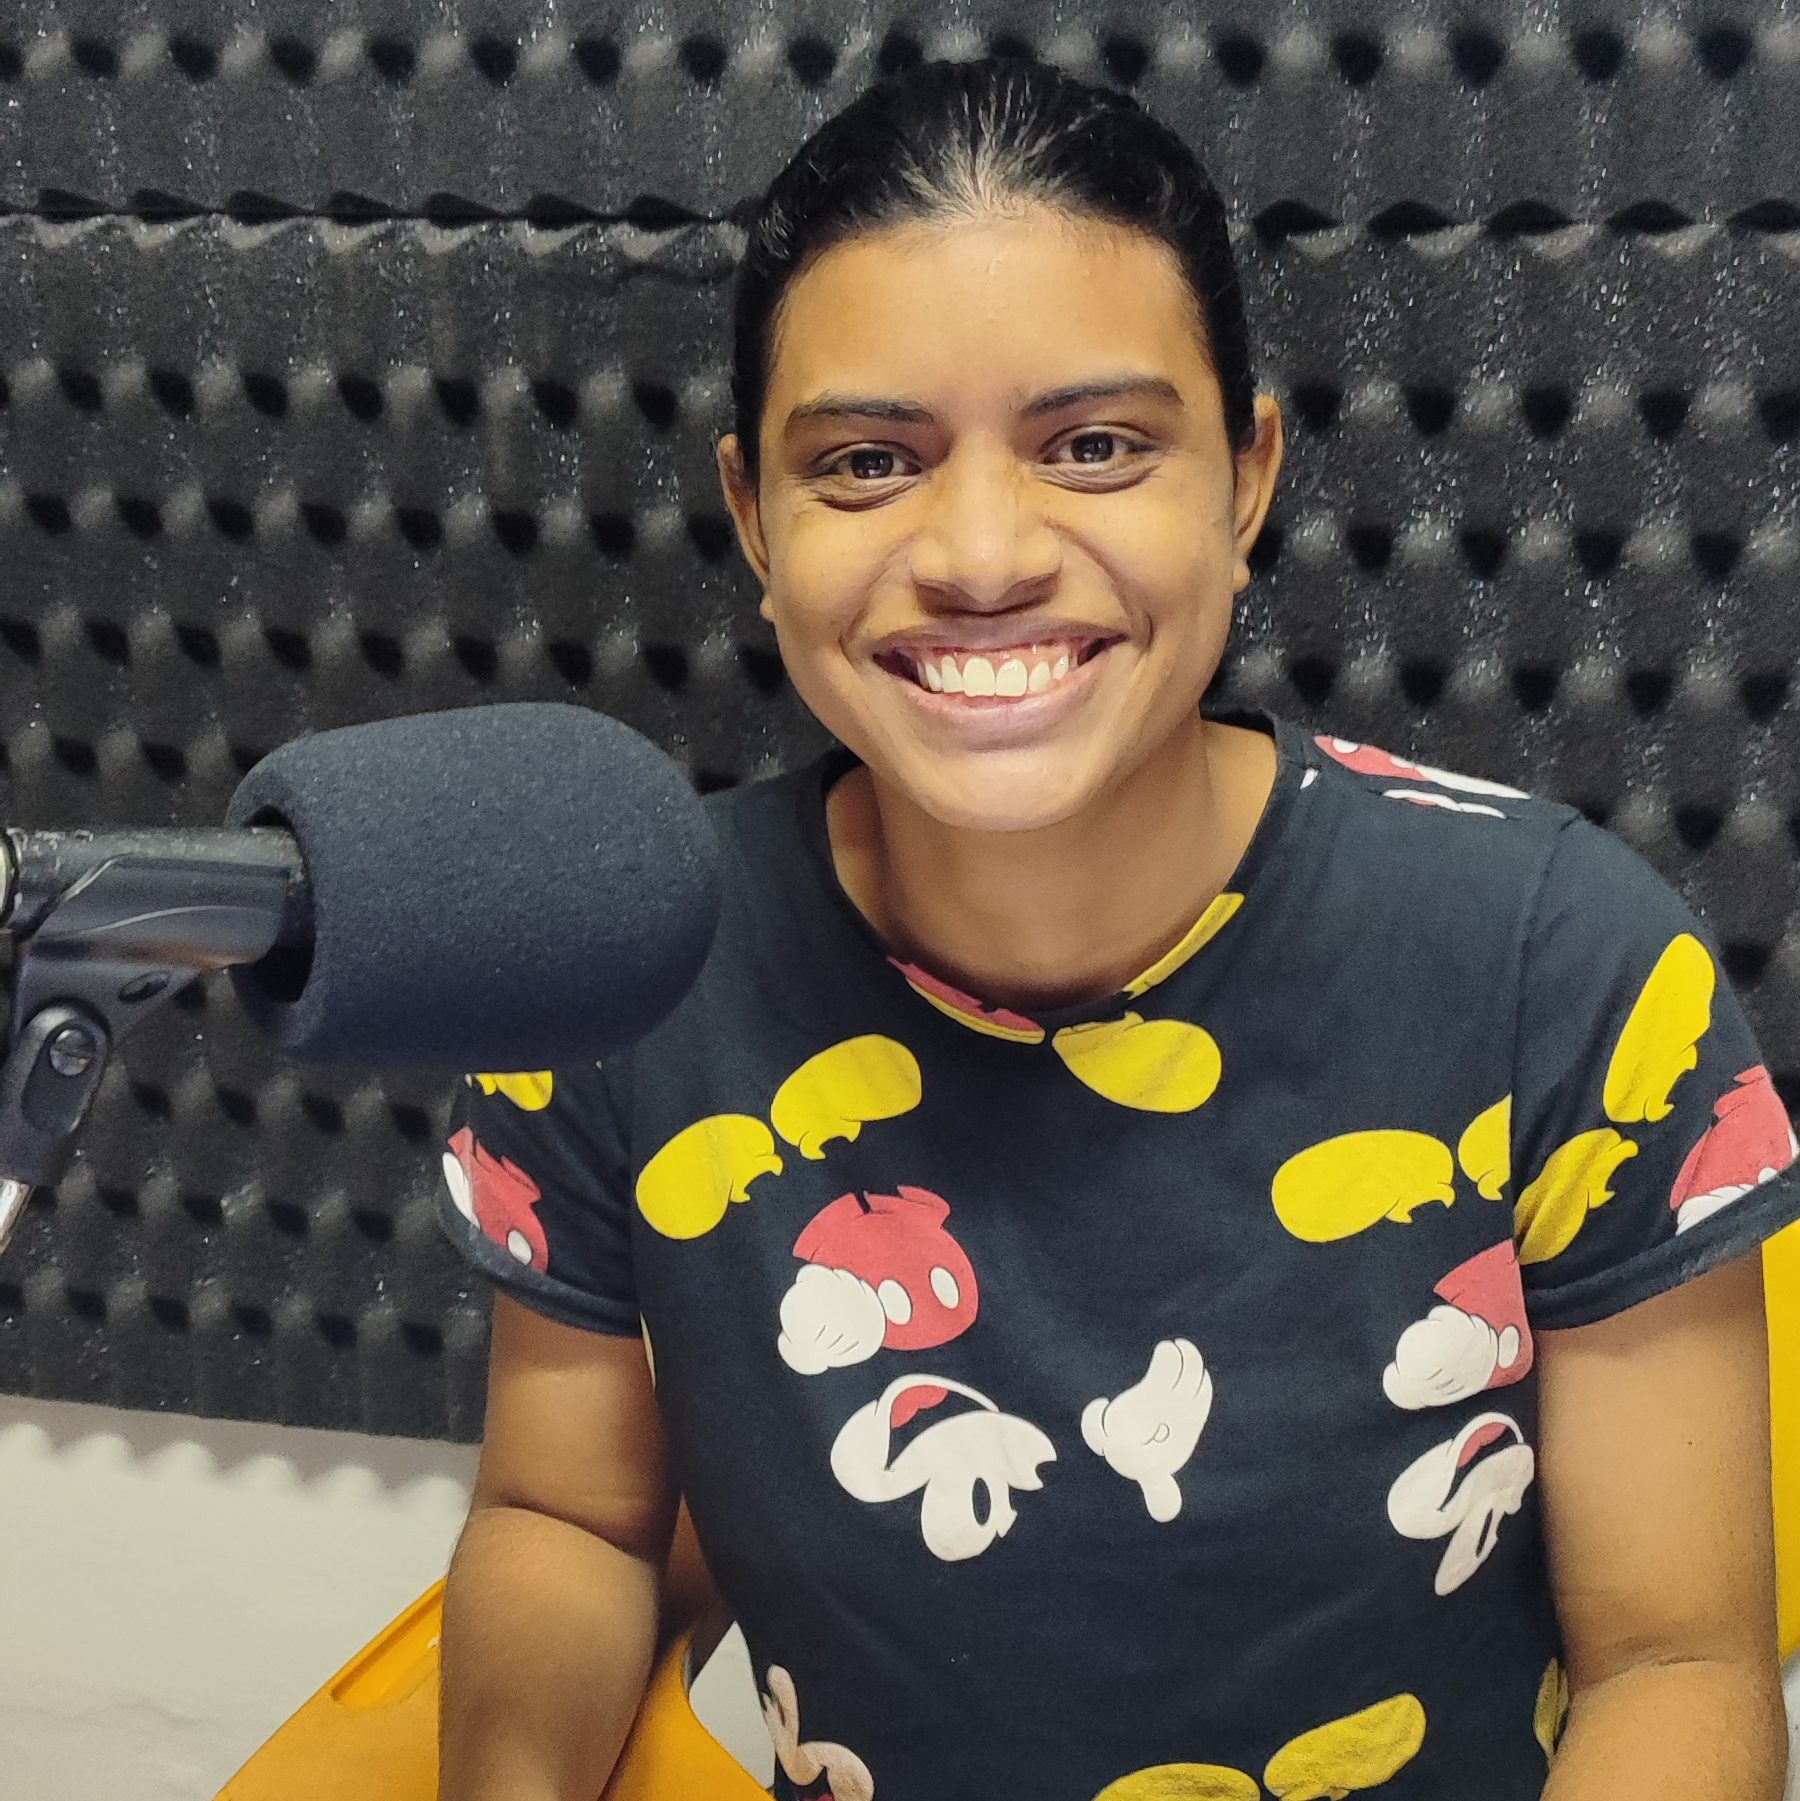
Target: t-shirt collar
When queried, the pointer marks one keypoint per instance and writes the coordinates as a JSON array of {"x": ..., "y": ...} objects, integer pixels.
[{"x": 1215, "y": 922}]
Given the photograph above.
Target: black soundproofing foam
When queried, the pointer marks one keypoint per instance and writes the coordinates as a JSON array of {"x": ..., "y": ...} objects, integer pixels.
[{"x": 363, "y": 360}]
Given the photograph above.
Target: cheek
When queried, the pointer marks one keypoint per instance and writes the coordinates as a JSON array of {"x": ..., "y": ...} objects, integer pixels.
[
  {"x": 810, "y": 630},
  {"x": 1176, "y": 539},
  {"x": 810, "y": 634},
  {"x": 825, "y": 567},
  {"x": 822, "y": 546}
]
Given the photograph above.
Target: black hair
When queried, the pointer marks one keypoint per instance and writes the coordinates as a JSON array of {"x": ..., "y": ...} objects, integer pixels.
[{"x": 945, "y": 139}]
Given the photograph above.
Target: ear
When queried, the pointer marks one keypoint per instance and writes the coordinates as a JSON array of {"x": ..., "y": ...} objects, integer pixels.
[
  {"x": 1253, "y": 486},
  {"x": 746, "y": 513}
]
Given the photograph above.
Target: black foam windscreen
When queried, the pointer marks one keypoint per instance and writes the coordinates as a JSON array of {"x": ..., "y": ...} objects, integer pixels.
[{"x": 511, "y": 887}]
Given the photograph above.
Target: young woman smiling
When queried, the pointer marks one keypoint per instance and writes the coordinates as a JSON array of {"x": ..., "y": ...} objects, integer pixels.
[{"x": 1165, "y": 1255}]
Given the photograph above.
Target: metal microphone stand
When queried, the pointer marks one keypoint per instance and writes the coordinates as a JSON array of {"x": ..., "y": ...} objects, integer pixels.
[{"x": 106, "y": 928}]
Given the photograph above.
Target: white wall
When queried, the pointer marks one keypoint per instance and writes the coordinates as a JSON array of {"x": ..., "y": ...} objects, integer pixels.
[{"x": 171, "y": 1589}]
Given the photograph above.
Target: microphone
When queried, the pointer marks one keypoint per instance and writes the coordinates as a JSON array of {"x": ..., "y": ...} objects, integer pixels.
[
  {"x": 509, "y": 887},
  {"x": 495, "y": 887},
  {"x": 505, "y": 887}
]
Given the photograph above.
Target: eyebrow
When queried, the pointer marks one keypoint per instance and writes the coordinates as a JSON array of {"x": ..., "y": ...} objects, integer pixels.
[{"x": 910, "y": 412}]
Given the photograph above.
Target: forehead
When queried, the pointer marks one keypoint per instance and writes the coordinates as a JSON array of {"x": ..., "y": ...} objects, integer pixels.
[{"x": 989, "y": 308}]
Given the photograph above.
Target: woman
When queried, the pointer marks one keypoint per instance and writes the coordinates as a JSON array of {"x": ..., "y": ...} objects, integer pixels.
[{"x": 1176, "y": 1258}]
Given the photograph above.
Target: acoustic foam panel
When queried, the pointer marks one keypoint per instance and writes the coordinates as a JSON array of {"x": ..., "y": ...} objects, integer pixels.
[{"x": 357, "y": 360}]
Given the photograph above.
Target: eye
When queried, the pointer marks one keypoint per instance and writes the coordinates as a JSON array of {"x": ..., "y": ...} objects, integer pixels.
[
  {"x": 1095, "y": 435},
  {"x": 863, "y": 452}
]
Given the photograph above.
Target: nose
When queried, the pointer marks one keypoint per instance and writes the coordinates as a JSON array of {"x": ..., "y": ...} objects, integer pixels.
[{"x": 984, "y": 539}]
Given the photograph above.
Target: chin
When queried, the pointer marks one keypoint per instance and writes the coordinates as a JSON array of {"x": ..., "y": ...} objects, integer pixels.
[{"x": 1001, "y": 800}]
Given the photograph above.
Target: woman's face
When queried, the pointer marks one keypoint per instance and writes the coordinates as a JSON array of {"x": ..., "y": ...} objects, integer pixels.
[{"x": 1087, "y": 550}]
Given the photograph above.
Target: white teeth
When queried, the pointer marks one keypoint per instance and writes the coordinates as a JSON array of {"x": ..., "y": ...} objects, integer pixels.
[{"x": 1031, "y": 672}]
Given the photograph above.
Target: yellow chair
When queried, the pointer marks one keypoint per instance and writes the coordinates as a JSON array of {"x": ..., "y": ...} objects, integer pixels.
[
  {"x": 1781, "y": 1285},
  {"x": 371, "y": 1731}
]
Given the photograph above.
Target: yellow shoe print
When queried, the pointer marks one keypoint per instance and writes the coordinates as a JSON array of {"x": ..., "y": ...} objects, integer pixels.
[
  {"x": 836, "y": 1093},
  {"x": 1661, "y": 1039},
  {"x": 530, "y": 1090},
  {"x": 1152, "y": 1065},
  {"x": 1361, "y": 1751},
  {"x": 1347, "y": 1184},
  {"x": 1571, "y": 1184},
  {"x": 687, "y": 1186},
  {"x": 1183, "y": 1782},
  {"x": 1485, "y": 1150}
]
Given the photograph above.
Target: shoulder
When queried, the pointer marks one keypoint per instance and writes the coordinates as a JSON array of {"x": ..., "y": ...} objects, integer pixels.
[
  {"x": 1386, "y": 775},
  {"x": 767, "y": 831},
  {"x": 1441, "y": 837},
  {"x": 771, "y": 803},
  {"x": 778, "y": 930},
  {"x": 1598, "y": 938},
  {"x": 1571, "y": 876}
]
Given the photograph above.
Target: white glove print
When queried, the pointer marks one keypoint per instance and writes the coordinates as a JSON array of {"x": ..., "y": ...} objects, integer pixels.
[
  {"x": 1149, "y": 1432},
  {"x": 1446, "y": 1357},
  {"x": 829, "y": 1318}
]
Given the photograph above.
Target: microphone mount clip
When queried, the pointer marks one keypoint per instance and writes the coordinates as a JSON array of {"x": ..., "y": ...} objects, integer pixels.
[{"x": 107, "y": 928}]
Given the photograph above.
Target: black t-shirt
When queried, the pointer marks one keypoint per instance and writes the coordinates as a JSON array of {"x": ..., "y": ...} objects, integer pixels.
[{"x": 1136, "y": 1399}]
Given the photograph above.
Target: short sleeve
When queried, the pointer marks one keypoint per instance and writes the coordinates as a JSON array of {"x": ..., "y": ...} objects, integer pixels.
[
  {"x": 536, "y": 1193},
  {"x": 1648, "y": 1141}
]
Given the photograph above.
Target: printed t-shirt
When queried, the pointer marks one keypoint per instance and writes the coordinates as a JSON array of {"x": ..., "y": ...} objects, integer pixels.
[{"x": 1138, "y": 1399}]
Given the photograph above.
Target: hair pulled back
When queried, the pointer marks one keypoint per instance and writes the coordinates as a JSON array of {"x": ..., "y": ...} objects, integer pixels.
[{"x": 951, "y": 140}]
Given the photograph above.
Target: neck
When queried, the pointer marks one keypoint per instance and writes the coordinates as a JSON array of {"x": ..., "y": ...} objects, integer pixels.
[{"x": 1073, "y": 912}]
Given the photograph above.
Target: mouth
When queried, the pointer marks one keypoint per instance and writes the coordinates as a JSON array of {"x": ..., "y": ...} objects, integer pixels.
[{"x": 1018, "y": 673}]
